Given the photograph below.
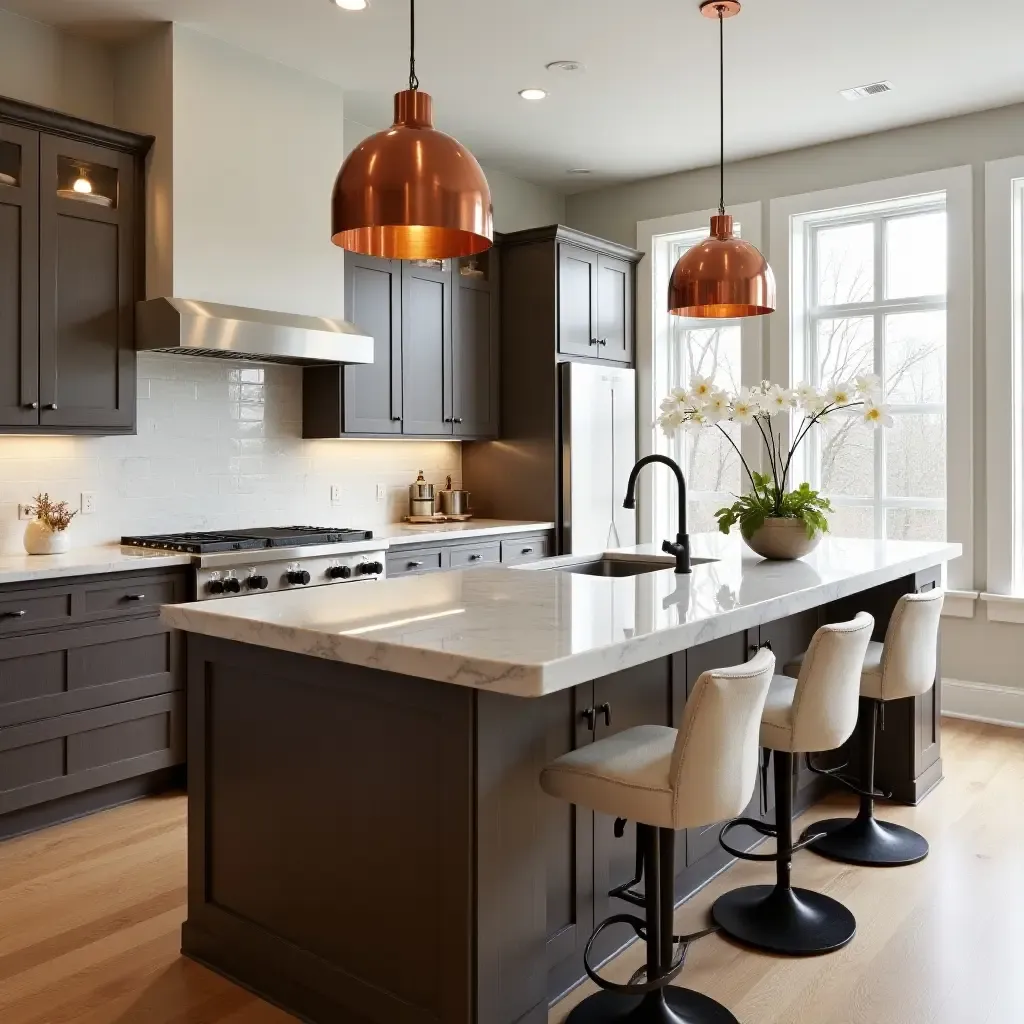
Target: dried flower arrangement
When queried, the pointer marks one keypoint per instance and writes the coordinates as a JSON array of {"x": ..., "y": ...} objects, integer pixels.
[{"x": 56, "y": 516}]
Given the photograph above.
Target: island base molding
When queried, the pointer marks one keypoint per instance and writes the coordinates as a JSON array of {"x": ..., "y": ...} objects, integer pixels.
[{"x": 374, "y": 848}]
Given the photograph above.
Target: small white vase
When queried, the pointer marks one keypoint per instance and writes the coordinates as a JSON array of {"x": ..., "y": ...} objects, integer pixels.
[{"x": 41, "y": 540}]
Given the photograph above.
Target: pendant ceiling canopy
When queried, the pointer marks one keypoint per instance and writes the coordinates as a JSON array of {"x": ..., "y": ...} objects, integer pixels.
[
  {"x": 412, "y": 192},
  {"x": 722, "y": 277}
]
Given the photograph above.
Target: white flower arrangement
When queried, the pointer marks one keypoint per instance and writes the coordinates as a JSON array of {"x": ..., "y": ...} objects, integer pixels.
[{"x": 702, "y": 404}]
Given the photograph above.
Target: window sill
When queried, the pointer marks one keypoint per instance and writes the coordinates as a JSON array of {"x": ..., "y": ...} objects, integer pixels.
[
  {"x": 959, "y": 604},
  {"x": 1004, "y": 607}
]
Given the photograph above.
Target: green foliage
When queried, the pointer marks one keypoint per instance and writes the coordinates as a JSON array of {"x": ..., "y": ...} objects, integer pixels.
[{"x": 767, "y": 501}]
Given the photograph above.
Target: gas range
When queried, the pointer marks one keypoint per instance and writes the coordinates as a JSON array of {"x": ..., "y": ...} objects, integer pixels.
[{"x": 252, "y": 561}]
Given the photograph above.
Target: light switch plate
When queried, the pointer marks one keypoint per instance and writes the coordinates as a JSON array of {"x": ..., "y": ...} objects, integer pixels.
[
  {"x": 382, "y": 493},
  {"x": 335, "y": 494},
  {"x": 88, "y": 503}
]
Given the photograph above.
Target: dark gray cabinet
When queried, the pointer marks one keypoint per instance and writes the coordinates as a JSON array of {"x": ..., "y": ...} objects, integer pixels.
[
  {"x": 435, "y": 331},
  {"x": 91, "y": 694},
  {"x": 70, "y": 272},
  {"x": 615, "y": 288},
  {"x": 507, "y": 549}
]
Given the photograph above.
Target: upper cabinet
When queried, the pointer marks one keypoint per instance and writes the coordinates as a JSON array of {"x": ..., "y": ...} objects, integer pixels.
[
  {"x": 434, "y": 374},
  {"x": 70, "y": 272}
]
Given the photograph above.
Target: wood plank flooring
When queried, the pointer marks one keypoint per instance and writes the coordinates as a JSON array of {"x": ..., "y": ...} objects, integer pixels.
[{"x": 90, "y": 915}]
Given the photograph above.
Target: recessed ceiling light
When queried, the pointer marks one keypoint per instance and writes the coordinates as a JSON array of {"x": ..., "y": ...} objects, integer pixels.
[
  {"x": 578, "y": 170},
  {"x": 860, "y": 91},
  {"x": 533, "y": 94},
  {"x": 351, "y": 5},
  {"x": 566, "y": 65}
]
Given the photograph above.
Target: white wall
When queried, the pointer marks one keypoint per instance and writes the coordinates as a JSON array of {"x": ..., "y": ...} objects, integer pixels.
[
  {"x": 973, "y": 649},
  {"x": 257, "y": 146},
  {"x": 517, "y": 203},
  {"x": 52, "y": 69}
]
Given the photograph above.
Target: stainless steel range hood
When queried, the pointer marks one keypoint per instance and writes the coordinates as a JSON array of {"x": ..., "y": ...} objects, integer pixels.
[{"x": 192, "y": 327}]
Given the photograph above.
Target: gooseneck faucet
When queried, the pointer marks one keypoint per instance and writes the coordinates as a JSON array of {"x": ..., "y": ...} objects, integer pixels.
[{"x": 681, "y": 547}]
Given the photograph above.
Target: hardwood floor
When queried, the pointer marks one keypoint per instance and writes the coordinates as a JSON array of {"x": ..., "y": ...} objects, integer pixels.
[{"x": 90, "y": 912}]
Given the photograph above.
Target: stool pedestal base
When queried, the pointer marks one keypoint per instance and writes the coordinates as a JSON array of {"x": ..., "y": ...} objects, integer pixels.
[
  {"x": 868, "y": 842},
  {"x": 790, "y": 922},
  {"x": 666, "y": 1006}
]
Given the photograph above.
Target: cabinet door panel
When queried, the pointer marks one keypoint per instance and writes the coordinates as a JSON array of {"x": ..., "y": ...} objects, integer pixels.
[
  {"x": 86, "y": 350},
  {"x": 19, "y": 277},
  {"x": 474, "y": 361},
  {"x": 373, "y": 393},
  {"x": 577, "y": 301},
  {"x": 569, "y": 847},
  {"x": 615, "y": 308},
  {"x": 426, "y": 350},
  {"x": 636, "y": 696}
]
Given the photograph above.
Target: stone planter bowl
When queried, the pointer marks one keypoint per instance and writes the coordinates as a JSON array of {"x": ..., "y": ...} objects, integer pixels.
[{"x": 783, "y": 540}]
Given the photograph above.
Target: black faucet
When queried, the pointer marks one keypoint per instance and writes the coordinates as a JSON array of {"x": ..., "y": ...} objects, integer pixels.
[{"x": 681, "y": 547}]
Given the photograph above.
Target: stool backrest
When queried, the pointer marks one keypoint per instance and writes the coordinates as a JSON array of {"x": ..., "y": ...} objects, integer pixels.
[
  {"x": 910, "y": 655},
  {"x": 827, "y": 695},
  {"x": 714, "y": 762}
]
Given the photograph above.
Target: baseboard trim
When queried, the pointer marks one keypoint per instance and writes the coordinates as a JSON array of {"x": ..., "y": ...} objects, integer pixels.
[{"x": 983, "y": 702}]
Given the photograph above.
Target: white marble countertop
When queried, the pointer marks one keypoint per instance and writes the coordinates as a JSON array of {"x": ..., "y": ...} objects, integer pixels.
[
  {"x": 424, "y": 533},
  {"x": 528, "y": 632},
  {"x": 85, "y": 562}
]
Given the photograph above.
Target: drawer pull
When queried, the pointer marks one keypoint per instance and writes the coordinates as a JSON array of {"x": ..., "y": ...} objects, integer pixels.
[
  {"x": 475, "y": 558},
  {"x": 527, "y": 551},
  {"x": 413, "y": 565},
  {"x": 13, "y": 615},
  {"x": 134, "y": 597}
]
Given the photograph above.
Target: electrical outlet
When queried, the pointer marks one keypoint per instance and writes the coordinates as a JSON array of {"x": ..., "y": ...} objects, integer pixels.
[
  {"x": 335, "y": 494},
  {"x": 88, "y": 503},
  {"x": 382, "y": 493},
  {"x": 24, "y": 512}
]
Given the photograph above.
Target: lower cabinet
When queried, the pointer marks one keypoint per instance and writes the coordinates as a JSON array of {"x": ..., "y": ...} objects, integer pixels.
[
  {"x": 515, "y": 549},
  {"x": 91, "y": 692}
]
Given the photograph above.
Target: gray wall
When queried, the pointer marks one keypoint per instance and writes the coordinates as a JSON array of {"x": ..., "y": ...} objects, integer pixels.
[{"x": 972, "y": 649}]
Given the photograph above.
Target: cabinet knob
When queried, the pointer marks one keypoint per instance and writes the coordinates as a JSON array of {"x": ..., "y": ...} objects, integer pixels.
[
  {"x": 135, "y": 597},
  {"x": 396, "y": 419},
  {"x": 413, "y": 565},
  {"x": 526, "y": 551},
  {"x": 13, "y": 615},
  {"x": 448, "y": 419},
  {"x": 51, "y": 405},
  {"x": 458, "y": 419},
  {"x": 475, "y": 558},
  {"x": 594, "y": 341},
  {"x": 603, "y": 341},
  {"x": 31, "y": 405}
]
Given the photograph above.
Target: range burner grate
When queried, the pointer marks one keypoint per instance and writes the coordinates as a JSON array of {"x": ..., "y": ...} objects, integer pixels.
[{"x": 201, "y": 543}]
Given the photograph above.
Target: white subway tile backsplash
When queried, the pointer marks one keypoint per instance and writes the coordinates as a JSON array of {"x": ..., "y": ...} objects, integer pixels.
[{"x": 218, "y": 446}]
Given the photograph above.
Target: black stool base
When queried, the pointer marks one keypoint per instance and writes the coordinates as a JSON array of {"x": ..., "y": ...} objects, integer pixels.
[
  {"x": 790, "y": 922},
  {"x": 868, "y": 842},
  {"x": 668, "y": 1005}
]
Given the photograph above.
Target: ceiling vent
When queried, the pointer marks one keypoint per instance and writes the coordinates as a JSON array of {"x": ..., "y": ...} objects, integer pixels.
[{"x": 861, "y": 91}]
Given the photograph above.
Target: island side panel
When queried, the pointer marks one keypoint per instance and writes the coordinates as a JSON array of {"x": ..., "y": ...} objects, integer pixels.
[{"x": 331, "y": 835}]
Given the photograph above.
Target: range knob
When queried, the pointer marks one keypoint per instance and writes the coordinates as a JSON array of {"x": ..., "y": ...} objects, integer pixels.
[
  {"x": 369, "y": 568},
  {"x": 255, "y": 582},
  {"x": 232, "y": 586},
  {"x": 215, "y": 586},
  {"x": 339, "y": 572},
  {"x": 298, "y": 577}
]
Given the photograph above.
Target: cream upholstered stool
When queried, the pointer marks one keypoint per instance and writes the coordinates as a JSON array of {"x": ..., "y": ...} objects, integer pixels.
[
  {"x": 664, "y": 780},
  {"x": 904, "y": 666},
  {"x": 814, "y": 712}
]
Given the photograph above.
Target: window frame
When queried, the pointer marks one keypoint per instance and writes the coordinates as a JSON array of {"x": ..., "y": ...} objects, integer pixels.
[
  {"x": 1004, "y": 385},
  {"x": 651, "y": 322},
  {"x": 788, "y": 217}
]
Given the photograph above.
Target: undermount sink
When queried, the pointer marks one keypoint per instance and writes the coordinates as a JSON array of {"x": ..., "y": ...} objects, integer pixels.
[{"x": 618, "y": 567}]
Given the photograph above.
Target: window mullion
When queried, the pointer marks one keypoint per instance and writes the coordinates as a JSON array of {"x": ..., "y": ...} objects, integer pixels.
[{"x": 881, "y": 370}]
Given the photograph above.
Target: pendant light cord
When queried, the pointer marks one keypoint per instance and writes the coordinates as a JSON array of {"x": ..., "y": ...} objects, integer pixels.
[
  {"x": 414, "y": 82},
  {"x": 721, "y": 111}
]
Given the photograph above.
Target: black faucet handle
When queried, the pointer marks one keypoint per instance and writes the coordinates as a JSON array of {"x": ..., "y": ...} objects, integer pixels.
[
  {"x": 680, "y": 547},
  {"x": 669, "y": 547}
]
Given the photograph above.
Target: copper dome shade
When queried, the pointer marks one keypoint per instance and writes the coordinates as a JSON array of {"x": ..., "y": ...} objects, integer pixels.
[
  {"x": 721, "y": 278},
  {"x": 412, "y": 192}
]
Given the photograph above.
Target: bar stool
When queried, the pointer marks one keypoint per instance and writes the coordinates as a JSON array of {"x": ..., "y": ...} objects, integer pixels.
[
  {"x": 666, "y": 780},
  {"x": 904, "y": 666},
  {"x": 814, "y": 712}
]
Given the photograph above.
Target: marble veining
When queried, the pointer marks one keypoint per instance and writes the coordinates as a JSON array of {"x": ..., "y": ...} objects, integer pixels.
[
  {"x": 530, "y": 632},
  {"x": 85, "y": 562}
]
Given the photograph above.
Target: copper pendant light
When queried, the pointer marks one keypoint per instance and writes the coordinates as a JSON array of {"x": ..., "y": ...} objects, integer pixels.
[
  {"x": 723, "y": 277},
  {"x": 412, "y": 192}
]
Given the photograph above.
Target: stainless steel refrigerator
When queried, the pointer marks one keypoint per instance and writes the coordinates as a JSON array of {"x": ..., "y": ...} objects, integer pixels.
[{"x": 598, "y": 450}]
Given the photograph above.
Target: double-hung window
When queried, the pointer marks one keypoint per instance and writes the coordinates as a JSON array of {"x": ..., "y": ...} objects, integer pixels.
[{"x": 875, "y": 288}]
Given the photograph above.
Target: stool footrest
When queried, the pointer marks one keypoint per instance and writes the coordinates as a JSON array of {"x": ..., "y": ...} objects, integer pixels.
[
  {"x": 769, "y": 831},
  {"x": 836, "y": 775}
]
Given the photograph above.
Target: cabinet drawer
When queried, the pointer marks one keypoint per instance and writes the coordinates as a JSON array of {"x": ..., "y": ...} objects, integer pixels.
[
  {"x": 420, "y": 560},
  {"x": 54, "y": 758},
  {"x": 477, "y": 554},
  {"x": 129, "y": 596},
  {"x": 34, "y": 609},
  {"x": 525, "y": 549}
]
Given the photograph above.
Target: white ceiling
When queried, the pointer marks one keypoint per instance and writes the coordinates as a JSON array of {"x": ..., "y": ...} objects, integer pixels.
[{"x": 647, "y": 102}]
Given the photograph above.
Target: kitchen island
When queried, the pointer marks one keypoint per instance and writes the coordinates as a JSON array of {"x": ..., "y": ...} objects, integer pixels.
[{"x": 367, "y": 837}]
